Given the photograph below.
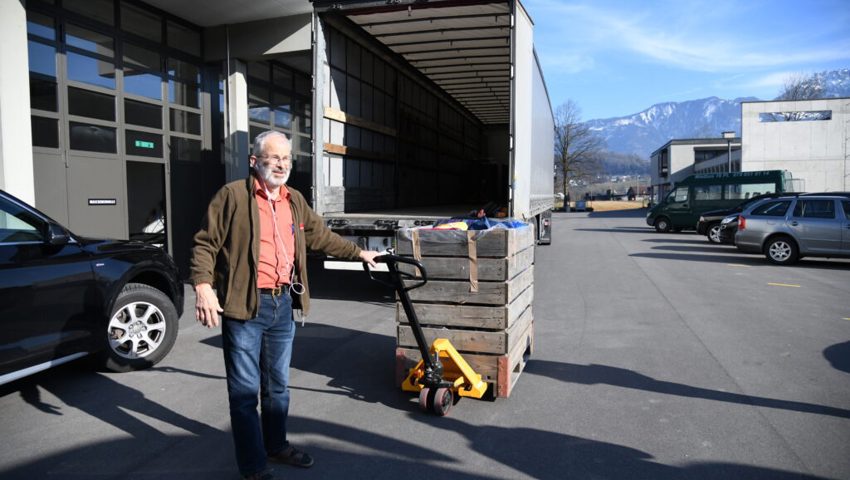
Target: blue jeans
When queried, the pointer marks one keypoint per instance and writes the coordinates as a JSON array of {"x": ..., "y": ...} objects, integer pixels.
[{"x": 256, "y": 359}]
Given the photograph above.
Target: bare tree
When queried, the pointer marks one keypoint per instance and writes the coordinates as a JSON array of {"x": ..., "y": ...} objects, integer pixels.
[
  {"x": 578, "y": 149},
  {"x": 799, "y": 86}
]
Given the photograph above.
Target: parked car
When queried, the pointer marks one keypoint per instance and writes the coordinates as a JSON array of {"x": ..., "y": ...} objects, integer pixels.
[
  {"x": 729, "y": 224},
  {"x": 788, "y": 228},
  {"x": 709, "y": 222},
  {"x": 63, "y": 296}
]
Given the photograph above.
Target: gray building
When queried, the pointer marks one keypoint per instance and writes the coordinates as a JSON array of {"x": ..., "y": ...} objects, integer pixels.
[
  {"x": 679, "y": 158},
  {"x": 809, "y": 138},
  {"x": 121, "y": 118}
]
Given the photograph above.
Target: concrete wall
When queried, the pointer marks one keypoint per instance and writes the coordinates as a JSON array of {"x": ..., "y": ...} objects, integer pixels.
[{"x": 816, "y": 151}]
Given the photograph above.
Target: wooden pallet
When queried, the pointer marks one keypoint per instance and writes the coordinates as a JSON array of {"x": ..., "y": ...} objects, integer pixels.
[{"x": 500, "y": 371}]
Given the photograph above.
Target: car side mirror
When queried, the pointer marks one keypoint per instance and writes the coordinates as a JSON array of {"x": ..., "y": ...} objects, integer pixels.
[{"x": 57, "y": 235}]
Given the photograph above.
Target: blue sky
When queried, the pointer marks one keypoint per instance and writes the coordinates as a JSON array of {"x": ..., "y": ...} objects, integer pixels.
[{"x": 615, "y": 58}]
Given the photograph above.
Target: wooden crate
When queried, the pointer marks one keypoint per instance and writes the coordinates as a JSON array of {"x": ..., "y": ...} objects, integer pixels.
[
  {"x": 500, "y": 371},
  {"x": 478, "y": 296}
]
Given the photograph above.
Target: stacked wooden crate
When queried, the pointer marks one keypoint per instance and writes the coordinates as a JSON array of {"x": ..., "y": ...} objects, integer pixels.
[{"x": 479, "y": 294}]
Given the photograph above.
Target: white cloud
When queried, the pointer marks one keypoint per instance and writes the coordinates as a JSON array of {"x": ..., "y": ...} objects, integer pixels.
[{"x": 673, "y": 36}]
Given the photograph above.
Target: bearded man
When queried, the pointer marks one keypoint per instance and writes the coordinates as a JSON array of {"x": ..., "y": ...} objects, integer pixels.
[{"x": 249, "y": 264}]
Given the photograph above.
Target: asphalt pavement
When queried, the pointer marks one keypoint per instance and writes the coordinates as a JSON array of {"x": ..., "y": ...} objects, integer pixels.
[{"x": 656, "y": 356}]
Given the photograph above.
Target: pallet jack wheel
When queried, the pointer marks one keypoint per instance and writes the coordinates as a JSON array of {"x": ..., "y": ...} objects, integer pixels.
[
  {"x": 442, "y": 401},
  {"x": 424, "y": 402}
]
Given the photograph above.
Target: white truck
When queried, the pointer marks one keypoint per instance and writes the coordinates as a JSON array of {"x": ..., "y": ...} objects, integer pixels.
[{"x": 425, "y": 111}]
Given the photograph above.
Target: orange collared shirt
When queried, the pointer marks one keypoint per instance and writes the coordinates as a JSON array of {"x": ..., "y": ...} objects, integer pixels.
[{"x": 277, "y": 246}]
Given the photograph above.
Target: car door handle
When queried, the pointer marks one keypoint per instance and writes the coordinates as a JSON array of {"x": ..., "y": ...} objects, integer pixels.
[{"x": 794, "y": 224}]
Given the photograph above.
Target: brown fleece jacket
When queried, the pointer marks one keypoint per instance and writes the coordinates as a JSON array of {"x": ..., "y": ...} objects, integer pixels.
[{"x": 227, "y": 247}]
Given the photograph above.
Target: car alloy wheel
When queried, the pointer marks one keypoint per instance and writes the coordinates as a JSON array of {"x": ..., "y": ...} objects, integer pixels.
[
  {"x": 714, "y": 234},
  {"x": 781, "y": 251},
  {"x": 142, "y": 329}
]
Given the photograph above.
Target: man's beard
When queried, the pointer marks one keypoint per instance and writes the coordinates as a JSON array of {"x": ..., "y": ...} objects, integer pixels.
[{"x": 268, "y": 176}]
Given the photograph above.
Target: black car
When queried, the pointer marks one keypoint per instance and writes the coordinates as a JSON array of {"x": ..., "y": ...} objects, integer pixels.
[
  {"x": 63, "y": 296},
  {"x": 709, "y": 222}
]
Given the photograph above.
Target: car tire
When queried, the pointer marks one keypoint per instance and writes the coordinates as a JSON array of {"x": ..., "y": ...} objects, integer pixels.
[
  {"x": 781, "y": 250},
  {"x": 713, "y": 233},
  {"x": 141, "y": 329},
  {"x": 662, "y": 225}
]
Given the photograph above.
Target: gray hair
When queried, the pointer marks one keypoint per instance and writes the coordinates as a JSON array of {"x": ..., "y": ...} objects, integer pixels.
[{"x": 260, "y": 141}]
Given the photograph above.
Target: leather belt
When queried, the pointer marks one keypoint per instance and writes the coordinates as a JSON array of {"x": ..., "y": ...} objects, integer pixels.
[{"x": 275, "y": 292}]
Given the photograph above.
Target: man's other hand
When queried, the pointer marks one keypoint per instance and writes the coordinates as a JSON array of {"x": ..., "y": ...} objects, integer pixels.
[{"x": 206, "y": 305}]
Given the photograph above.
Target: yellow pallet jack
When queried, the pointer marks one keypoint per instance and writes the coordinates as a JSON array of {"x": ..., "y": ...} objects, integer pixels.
[{"x": 442, "y": 376}]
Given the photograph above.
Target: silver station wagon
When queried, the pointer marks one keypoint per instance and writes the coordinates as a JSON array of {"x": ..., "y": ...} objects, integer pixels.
[{"x": 787, "y": 228}]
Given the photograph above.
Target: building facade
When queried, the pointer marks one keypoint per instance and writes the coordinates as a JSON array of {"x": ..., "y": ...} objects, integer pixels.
[
  {"x": 809, "y": 138},
  {"x": 680, "y": 158},
  {"x": 121, "y": 118}
]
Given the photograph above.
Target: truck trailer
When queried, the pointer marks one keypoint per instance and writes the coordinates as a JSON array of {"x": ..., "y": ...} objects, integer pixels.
[{"x": 428, "y": 110}]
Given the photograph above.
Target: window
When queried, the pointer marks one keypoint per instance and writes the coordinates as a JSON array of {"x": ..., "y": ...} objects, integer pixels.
[
  {"x": 89, "y": 40},
  {"x": 745, "y": 191},
  {"x": 141, "y": 113},
  {"x": 708, "y": 192},
  {"x": 815, "y": 209},
  {"x": 846, "y": 204},
  {"x": 143, "y": 144},
  {"x": 45, "y": 132},
  {"x": 680, "y": 194},
  {"x": 86, "y": 103},
  {"x": 809, "y": 116},
  {"x": 186, "y": 122},
  {"x": 772, "y": 209},
  {"x": 92, "y": 138},
  {"x": 141, "y": 22},
  {"x": 18, "y": 225},
  {"x": 90, "y": 70}
]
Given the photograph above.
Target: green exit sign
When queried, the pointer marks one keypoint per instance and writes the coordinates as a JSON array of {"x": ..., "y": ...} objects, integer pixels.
[{"x": 144, "y": 144}]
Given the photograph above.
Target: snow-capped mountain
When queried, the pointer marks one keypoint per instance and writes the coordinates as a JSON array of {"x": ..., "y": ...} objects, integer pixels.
[{"x": 645, "y": 131}]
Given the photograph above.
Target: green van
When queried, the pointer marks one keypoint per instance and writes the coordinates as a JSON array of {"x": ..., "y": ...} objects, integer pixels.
[{"x": 702, "y": 192}]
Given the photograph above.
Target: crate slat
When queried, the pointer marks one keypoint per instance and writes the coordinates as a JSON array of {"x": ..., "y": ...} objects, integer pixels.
[
  {"x": 499, "y": 317},
  {"x": 499, "y": 243},
  {"x": 489, "y": 269},
  {"x": 457, "y": 292}
]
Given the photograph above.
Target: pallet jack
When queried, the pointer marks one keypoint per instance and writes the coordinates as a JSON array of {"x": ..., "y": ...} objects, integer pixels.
[{"x": 442, "y": 375}]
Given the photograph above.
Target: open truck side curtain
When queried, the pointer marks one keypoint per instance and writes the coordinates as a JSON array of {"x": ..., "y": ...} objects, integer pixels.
[
  {"x": 427, "y": 110},
  {"x": 700, "y": 193}
]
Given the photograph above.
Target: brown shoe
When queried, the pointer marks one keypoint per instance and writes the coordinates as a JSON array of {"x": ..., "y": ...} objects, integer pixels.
[{"x": 292, "y": 456}]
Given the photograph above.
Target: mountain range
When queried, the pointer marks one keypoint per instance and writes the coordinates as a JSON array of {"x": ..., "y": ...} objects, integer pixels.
[{"x": 643, "y": 132}]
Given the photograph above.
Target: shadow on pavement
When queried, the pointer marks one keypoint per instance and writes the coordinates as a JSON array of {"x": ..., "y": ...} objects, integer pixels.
[
  {"x": 613, "y": 230},
  {"x": 683, "y": 241},
  {"x": 367, "y": 374},
  {"x": 621, "y": 377},
  {"x": 719, "y": 249},
  {"x": 747, "y": 259},
  {"x": 543, "y": 454},
  {"x": 838, "y": 356}
]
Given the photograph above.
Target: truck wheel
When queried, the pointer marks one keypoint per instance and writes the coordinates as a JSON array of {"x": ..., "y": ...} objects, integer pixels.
[
  {"x": 781, "y": 251},
  {"x": 662, "y": 225},
  {"x": 713, "y": 233},
  {"x": 141, "y": 329}
]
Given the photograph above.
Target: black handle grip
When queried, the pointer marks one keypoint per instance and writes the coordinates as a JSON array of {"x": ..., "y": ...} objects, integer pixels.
[{"x": 392, "y": 262}]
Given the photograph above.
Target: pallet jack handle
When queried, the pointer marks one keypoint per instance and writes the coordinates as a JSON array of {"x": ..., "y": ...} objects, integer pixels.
[{"x": 398, "y": 277}]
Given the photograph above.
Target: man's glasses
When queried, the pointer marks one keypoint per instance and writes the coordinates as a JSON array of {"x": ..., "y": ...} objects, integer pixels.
[{"x": 276, "y": 159}]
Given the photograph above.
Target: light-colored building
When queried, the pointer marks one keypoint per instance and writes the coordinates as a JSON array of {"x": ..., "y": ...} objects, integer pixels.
[
  {"x": 809, "y": 138},
  {"x": 679, "y": 158}
]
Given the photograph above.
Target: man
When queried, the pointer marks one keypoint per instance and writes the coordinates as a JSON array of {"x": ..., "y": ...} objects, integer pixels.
[{"x": 252, "y": 247}]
